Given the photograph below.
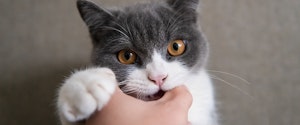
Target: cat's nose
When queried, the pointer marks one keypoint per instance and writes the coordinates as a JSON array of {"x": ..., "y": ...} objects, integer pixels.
[{"x": 158, "y": 79}]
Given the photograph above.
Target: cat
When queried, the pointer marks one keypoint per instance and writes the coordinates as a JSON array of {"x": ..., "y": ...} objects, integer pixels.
[{"x": 146, "y": 49}]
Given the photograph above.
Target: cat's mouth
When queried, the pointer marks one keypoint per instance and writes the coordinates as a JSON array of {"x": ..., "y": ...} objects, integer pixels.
[
  {"x": 152, "y": 97},
  {"x": 155, "y": 96}
]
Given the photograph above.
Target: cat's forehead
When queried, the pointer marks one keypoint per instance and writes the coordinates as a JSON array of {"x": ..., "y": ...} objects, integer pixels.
[
  {"x": 147, "y": 28},
  {"x": 146, "y": 15},
  {"x": 145, "y": 8}
]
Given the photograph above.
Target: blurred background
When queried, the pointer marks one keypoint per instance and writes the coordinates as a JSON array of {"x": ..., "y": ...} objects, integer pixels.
[{"x": 255, "y": 58}]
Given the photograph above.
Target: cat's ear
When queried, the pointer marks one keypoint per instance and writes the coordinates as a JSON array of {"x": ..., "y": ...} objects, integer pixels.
[
  {"x": 186, "y": 8},
  {"x": 92, "y": 14}
]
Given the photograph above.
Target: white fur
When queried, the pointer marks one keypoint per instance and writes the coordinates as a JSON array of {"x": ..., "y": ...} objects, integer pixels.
[
  {"x": 199, "y": 84},
  {"x": 85, "y": 92},
  {"x": 138, "y": 81},
  {"x": 203, "y": 107},
  {"x": 81, "y": 95}
]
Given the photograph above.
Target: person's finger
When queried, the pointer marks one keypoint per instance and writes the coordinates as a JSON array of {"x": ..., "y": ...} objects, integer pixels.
[
  {"x": 119, "y": 102},
  {"x": 180, "y": 96}
]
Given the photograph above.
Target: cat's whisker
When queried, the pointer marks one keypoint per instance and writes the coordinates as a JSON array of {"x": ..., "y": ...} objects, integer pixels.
[
  {"x": 178, "y": 77},
  {"x": 123, "y": 82},
  {"x": 172, "y": 20},
  {"x": 128, "y": 29},
  {"x": 115, "y": 29},
  {"x": 127, "y": 87},
  {"x": 120, "y": 26},
  {"x": 177, "y": 17},
  {"x": 232, "y": 75},
  {"x": 233, "y": 86},
  {"x": 175, "y": 21},
  {"x": 128, "y": 81},
  {"x": 134, "y": 88},
  {"x": 118, "y": 39},
  {"x": 170, "y": 25},
  {"x": 174, "y": 25},
  {"x": 140, "y": 95},
  {"x": 130, "y": 90}
]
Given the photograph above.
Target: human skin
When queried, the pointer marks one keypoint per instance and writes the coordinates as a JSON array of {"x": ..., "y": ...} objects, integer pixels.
[{"x": 171, "y": 109}]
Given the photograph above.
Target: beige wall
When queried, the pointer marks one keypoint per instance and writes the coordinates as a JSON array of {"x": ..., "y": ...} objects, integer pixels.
[{"x": 41, "y": 41}]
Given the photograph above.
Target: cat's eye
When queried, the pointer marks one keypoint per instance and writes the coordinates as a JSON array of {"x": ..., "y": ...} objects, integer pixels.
[
  {"x": 176, "y": 47},
  {"x": 127, "y": 56}
]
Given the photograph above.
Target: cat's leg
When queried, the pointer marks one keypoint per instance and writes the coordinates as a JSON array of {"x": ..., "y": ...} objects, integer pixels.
[{"x": 83, "y": 93}]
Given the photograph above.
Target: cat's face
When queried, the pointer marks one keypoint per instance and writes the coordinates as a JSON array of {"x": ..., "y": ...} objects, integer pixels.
[{"x": 150, "y": 47}]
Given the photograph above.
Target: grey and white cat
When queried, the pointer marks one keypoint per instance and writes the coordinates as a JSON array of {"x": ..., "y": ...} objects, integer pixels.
[{"x": 145, "y": 49}]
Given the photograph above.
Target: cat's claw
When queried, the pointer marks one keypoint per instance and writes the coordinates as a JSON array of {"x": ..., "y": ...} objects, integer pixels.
[{"x": 85, "y": 92}]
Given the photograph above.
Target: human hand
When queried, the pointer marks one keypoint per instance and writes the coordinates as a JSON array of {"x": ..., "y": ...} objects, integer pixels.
[{"x": 171, "y": 109}]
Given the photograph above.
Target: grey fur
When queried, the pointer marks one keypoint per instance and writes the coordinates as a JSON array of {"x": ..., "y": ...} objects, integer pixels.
[{"x": 143, "y": 28}]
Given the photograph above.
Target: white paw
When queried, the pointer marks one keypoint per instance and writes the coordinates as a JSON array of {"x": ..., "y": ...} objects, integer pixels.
[{"x": 85, "y": 92}]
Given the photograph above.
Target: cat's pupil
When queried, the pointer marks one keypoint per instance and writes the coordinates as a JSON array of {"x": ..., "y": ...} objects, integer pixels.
[
  {"x": 175, "y": 46},
  {"x": 127, "y": 55}
]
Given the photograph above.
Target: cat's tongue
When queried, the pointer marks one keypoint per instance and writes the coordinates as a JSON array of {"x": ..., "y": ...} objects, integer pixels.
[{"x": 156, "y": 96}]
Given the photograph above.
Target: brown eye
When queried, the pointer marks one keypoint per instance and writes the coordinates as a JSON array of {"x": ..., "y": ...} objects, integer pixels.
[
  {"x": 176, "y": 47},
  {"x": 127, "y": 56}
]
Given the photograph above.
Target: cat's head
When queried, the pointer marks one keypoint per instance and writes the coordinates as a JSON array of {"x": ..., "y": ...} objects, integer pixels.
[{"x": 151, "y": 47}]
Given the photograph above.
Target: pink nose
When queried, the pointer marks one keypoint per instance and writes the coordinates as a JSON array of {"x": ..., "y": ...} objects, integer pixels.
[{"x": 158, "y": 80}]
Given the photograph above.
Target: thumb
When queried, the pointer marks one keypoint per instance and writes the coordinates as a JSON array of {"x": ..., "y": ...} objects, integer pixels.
[{"x": 180, "y": 96}]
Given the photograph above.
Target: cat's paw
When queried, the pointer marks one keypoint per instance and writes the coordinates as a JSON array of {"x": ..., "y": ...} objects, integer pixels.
[{"x": 85, "y": 92}]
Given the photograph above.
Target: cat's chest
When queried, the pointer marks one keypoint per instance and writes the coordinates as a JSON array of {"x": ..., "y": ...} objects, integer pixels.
[{"x": 201, "y": 88}]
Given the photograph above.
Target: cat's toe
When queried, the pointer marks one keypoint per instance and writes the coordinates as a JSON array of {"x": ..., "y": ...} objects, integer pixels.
[
  {"x": 78, "y": 109},
  {"x": 101, "y": 93},
  {"x": 85, "y": 92},
  {"x": 75, "y": 102},
  {"x": 103, "y": 85}
]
